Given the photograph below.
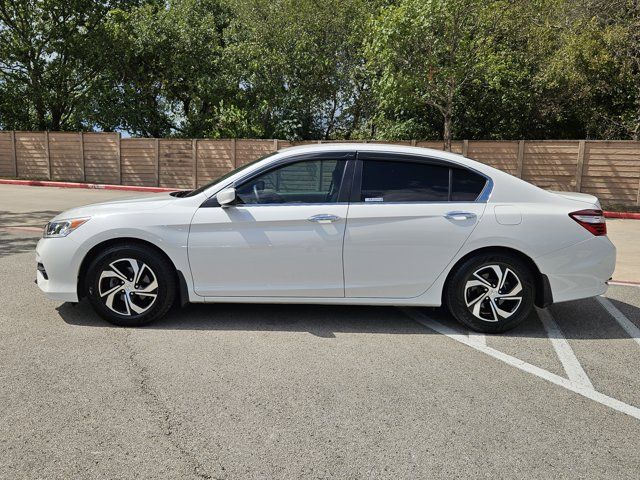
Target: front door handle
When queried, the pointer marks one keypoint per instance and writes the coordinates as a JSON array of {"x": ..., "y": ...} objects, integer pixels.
[
  {"x": 323, "y": 218},
  {"x": 457, "y": 215}
]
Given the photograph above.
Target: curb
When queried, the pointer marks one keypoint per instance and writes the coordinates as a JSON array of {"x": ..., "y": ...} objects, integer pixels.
[
  {"x": 97, "y": 186},
  {"x": 626, "y": 215}
]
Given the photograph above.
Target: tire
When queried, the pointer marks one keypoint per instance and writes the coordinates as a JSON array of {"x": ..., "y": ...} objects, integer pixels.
[
  {"x": 474, "y": 298},
  {"x": 114, "y": 293}
]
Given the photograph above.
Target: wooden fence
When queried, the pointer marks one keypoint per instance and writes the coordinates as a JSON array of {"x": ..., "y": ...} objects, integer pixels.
[{"x": 608, "y": 169}]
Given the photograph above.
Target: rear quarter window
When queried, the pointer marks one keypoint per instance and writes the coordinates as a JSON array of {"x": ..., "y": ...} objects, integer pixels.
[{"x": 466, "y": 185}]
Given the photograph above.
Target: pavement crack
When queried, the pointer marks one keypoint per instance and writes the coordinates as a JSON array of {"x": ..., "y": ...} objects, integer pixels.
[{"x": 159, "y": 409}]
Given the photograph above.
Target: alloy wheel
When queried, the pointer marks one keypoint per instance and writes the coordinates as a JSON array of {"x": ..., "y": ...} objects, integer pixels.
[
  {"x": 493, "y": 292},
  {"x": 128, "y": 287}
]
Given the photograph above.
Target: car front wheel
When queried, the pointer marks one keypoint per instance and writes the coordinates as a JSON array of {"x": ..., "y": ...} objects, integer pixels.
[
  {"x": 129, "y": 285},
  {"x": 491, "y": 293}
]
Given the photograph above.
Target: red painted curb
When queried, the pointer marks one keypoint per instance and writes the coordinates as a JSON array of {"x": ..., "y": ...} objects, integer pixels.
[
  {"x": 624, "y": 283},
  {"x": 97, "y": 186},
  {"x": 627, "y": 215}
]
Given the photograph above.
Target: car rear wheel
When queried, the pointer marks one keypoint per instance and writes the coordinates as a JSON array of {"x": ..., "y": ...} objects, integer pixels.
[
  {"x": 130, "y": 286},
  {"x": 491, "y": 293}
]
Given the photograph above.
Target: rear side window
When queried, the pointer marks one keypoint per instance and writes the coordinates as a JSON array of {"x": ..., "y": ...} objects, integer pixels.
[
  {"x": 384, "y": 181},
  {"x": 466, "y": 186}
]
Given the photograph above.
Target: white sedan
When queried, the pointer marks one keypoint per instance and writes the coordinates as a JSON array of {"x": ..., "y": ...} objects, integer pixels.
[{"x": 336, "y": 224}]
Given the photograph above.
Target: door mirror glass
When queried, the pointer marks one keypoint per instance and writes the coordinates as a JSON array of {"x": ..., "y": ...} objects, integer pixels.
[{"x": 226, "y": 197}]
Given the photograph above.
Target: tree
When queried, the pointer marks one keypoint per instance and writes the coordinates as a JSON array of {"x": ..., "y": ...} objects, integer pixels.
[
  {"x": 592, "y": 72},
  {"x": 164, "y": 74},
  {"x": 50, "y": 54},
  {"x": 299, "y": 65},
  {"x": 425, "y": 52}
]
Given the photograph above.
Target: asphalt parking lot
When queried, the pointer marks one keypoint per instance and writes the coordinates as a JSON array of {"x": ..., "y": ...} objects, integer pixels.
[{"x": 266, "y": 391}]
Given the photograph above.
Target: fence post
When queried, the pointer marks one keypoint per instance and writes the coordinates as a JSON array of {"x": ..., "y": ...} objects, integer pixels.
[
  {"x": 580, "y": 166},
  {"x": 119, "y": 159},
  {"x": 82, "y": 165},
  {"x": 275, "y": 144},
  {"x": 14, "y": 156},
  {"x": 233, "y": 153},
  {"x": 413, "y": 143},
  {"x": 194, "y": 154},
  {"x": 46, "y": 142},
  {"x": 157, "y": 161},
  {"x": 465, "y": 148},
  {"x": 520, "y": 161}
]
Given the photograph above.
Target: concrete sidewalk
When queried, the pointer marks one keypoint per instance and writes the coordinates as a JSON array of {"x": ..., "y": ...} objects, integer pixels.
[{"x": 625, "y": 235}]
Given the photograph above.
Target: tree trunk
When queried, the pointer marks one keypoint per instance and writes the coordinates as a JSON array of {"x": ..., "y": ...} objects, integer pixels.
[{"x": 446, "y": 133}]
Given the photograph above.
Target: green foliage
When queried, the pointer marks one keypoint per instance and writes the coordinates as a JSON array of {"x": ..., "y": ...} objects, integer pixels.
[
  {"x": 426, "y": 52},
  {"x": 164, "y": 73},
  {"x": 299, "y": 65},
  {"x": 50, "y": 53},
  {"x": 312, "y": 69}
]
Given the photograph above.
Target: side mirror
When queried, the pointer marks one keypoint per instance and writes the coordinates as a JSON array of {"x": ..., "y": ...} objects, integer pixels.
[{"x": 226, "y": 197}]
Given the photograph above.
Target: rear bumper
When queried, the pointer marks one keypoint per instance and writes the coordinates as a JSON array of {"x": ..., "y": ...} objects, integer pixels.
[{"x": 581, "y": 270}]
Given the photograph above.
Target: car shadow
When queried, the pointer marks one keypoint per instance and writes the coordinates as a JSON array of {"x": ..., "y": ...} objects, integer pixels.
[
  {"x": 26, "y": 219},
  {"x": 583, "y": 319},
  {"x": 320, "y": 320},
  {"x": 15, "y": 244}
]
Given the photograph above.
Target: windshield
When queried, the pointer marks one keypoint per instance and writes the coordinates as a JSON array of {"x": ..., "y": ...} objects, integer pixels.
[{"x": 197, "y": 191}]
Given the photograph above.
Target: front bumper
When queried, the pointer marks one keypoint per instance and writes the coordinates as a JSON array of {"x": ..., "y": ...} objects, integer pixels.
[{"x": 58, "y": 259}]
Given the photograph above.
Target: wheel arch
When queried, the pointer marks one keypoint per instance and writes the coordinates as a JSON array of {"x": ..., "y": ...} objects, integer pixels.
[
  {"x": 93, "y": 251},
  {"x": 543, "y": 295}
]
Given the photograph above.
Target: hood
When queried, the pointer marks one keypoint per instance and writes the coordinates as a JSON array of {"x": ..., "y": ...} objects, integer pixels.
[
  {"x": 578, "y": 197},
  {"x": 149, "y": 202}
]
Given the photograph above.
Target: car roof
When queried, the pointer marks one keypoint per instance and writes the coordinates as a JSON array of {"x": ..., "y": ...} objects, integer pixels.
[
  {"x": 391, "y": 148},
  {"x": 371, "y": 147}
]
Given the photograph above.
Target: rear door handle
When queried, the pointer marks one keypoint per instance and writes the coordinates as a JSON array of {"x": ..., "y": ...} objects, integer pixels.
[
  {"x": 323, "y": 218},
  {"x": 457, "y": 215}
]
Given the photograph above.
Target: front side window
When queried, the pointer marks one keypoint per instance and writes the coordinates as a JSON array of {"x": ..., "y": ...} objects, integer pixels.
[
  {"x": 310, "y": 181},
  {"x": 391, "y": 181}
]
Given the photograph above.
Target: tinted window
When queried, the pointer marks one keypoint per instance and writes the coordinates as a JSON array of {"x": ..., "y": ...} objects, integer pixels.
[
  {"x": 312, "y": 181},
  {"x": 466, "y": 185},
  {"x": 403, "y": 182}
]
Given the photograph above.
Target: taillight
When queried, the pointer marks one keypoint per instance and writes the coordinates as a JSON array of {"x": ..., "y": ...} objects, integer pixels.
[{"x": 592, "y": 220}]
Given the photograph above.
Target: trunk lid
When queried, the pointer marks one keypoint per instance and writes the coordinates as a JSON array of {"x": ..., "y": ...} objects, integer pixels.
[{"x": 578, "y": 197}]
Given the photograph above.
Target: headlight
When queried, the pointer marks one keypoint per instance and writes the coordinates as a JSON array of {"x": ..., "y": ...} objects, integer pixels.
[{"x": 62, "y": 228}]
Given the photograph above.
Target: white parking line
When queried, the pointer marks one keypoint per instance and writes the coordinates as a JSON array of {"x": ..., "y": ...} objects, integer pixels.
[
  {"x": 477, "y": 337},
  {"x": 524, "y": 366},
  {"x": 569, "y": 361},
  {"x": 624, "y": 322}
]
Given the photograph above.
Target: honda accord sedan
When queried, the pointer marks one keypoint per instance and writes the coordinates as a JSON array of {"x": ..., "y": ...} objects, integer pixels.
[{"x": 341, "y": 224}]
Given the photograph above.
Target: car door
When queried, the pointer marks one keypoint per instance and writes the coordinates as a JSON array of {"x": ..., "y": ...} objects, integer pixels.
[
  {"x": 408, "y": 218},
  {"x": 283, "y": 237}
]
